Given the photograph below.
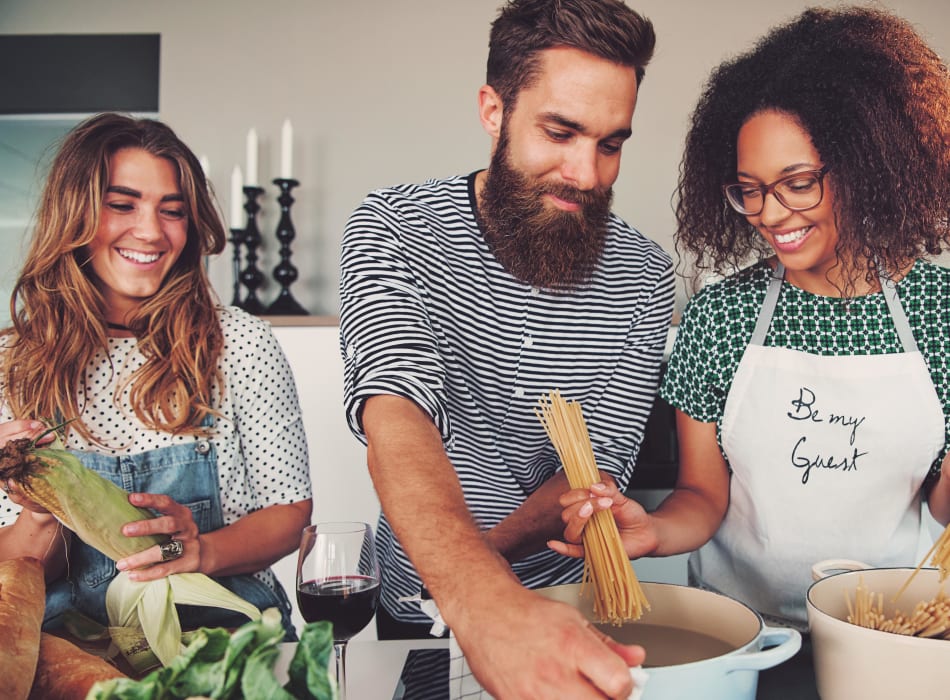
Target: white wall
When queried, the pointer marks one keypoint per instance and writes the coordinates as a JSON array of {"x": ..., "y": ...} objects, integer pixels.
[
  {"x": 382, "y": 92},
  {"x": 342, "y": 489}
]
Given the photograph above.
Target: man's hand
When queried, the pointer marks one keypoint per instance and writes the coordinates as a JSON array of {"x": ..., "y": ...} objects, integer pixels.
[{"x": 527, "y": 647}]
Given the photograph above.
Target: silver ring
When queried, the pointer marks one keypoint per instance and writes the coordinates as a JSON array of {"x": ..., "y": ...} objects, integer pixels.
[{"x": 171, "y": 549}]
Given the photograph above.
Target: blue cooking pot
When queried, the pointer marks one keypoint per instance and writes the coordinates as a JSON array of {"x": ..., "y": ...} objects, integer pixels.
[{"x": 699, "y": 644}]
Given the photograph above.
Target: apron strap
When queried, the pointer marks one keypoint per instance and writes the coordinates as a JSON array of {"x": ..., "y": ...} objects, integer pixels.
[
  {"x": 888, "y": 287},
  {"x": 768, "y": 306}
]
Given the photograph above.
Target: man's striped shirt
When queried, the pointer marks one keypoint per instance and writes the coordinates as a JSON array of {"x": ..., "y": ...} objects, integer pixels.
[{"x": 429, "y": 314}]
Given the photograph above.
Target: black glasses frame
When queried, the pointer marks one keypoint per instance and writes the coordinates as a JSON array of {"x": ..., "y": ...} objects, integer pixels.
[{"x": 770, "y": 189}]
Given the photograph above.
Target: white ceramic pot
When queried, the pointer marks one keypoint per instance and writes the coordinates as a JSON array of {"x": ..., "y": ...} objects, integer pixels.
[
  {"x": 856, "y": 662},
  {"x": 681, "y": 617}
]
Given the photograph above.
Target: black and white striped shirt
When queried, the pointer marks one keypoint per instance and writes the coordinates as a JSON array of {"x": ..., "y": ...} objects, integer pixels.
[{"x": 429, "y": 314}]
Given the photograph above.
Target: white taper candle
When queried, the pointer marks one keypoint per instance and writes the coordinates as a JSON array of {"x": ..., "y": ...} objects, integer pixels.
[
  {"x": 237, "y": 198},
  {"x": 286, "y": 150},
  {"x": 251, "y": 173}
]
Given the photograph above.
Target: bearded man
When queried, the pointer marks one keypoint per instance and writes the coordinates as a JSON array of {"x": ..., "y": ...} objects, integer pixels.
[{"x": 463, "y": 301}]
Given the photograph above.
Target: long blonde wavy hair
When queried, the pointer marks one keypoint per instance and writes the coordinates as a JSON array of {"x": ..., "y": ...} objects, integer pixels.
[{"x": 59, "y": 314}]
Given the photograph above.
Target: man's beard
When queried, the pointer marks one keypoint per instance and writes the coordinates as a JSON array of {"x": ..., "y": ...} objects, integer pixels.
[{"x": 537, "y": 243}]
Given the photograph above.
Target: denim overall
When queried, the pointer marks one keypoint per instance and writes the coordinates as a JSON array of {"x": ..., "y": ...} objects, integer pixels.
[{"x": 187, "y": 473}]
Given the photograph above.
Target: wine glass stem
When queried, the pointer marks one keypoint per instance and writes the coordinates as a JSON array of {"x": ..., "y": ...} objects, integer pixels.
[{"x": 340, "y": 648}]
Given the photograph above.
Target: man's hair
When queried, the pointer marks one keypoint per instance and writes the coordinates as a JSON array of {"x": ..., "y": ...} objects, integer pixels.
[
  {"x": 875, "y": 100},
  {"x": 524, "y": 28}
]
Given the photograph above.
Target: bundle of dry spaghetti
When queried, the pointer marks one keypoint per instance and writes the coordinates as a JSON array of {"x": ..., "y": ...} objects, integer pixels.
[
  {"x": 617, "y": 593},
  {"x": 928, "y": 618}
]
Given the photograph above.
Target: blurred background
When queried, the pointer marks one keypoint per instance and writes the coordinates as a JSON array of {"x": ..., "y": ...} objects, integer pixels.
[{"x": 378, "y": 93}]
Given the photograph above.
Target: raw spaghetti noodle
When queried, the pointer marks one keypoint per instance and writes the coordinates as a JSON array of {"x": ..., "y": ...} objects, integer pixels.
[
  {"x": 929, "y": 619},
  {"x": 617, "y": 593},
  {"x": 939, "y": 556}
]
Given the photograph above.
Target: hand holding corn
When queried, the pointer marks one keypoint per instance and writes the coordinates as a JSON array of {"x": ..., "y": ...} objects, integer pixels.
[
  {"x": 20, "y": 436},
  {"x": 17, "y": 429},
  {"x": 97, "y": 511},
  {"x": 25, "y": 428},
  {"x": 175, "y": 520}
]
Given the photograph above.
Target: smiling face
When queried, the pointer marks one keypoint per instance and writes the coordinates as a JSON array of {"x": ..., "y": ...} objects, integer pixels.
[
  {"x": 545, "y": 200},
  {"x": 143, "y": 229},
  {"x": 773, "y": 145}
]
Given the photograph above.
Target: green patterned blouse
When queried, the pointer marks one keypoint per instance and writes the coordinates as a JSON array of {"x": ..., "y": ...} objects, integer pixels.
[{"x": 718, "y": 322}]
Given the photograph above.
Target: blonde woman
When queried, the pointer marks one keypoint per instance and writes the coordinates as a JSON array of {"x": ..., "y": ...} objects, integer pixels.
[{"x": 187, "y": 404}]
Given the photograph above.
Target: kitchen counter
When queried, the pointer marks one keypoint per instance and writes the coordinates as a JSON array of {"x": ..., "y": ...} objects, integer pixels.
[{"x": 374, "y": 669}]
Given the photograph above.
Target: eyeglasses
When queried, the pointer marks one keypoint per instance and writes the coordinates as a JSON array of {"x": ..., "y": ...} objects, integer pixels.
[{"x": 799, "y": 192}]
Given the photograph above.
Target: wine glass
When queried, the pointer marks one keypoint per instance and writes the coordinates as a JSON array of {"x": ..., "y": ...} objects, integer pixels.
[{"x": 338, "y": 580}]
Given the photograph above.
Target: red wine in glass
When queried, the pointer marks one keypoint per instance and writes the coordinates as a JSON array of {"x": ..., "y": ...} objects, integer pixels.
[
  {"x": 348, "y": 602},
  {"x": 338, "y": 580}
]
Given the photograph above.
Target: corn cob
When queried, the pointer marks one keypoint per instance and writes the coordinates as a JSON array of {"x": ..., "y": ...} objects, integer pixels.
[
  {"x": 96, "y": 509},
  {"x": 89, "y": 505}
]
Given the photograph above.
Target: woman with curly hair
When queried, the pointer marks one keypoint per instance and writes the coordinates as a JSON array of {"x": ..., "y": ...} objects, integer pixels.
[
  {"x": 812, "y": 383},
  {"x": 188, "y": 404}
]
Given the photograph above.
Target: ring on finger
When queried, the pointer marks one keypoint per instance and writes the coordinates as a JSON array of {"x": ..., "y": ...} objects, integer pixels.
[{"x": 171, "y": 549}]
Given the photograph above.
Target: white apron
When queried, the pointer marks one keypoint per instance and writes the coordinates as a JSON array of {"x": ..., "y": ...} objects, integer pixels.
[{"x": 828, "y": 455}]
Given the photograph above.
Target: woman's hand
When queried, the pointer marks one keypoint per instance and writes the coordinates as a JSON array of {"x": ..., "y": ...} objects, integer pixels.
[
  {"x": 23, "y": 428},
  {"x": 634, "y": 523},
  {"x": 17, "y": 496},
  {"x": 18, "y": 430},
  {"x": 175, "y": 520},
  {"x": 938, "y": 498}
]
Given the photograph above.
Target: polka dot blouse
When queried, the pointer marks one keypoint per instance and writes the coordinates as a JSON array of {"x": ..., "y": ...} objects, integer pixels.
[
  {"x": 718, "y": 323},
  {"x": 259, "y": 436}
]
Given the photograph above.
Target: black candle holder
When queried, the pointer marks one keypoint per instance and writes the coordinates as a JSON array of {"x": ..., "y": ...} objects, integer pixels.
[
  {"x": 251, "y": 277},
  {"x": 285, "y": 273},
  {"x": 236, "y": 240}
]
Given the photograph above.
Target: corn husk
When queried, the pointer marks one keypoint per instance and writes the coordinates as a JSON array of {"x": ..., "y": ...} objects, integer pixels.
[{"x": 96, "y": 509}]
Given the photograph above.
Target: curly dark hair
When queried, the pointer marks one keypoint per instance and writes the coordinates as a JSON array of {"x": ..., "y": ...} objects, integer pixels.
[
  {"x": 875, "y": 100},
  {"x": 605, "y": 28}
]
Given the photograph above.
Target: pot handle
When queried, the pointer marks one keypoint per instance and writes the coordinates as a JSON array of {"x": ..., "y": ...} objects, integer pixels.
[
  {"x": 825, "y": 567},
  {"x": 787, "y": 642}
]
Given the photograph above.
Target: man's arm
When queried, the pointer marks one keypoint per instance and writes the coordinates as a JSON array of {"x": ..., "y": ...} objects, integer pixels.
[
  {"x": 517, "y": 643},
  {"x": 534, "y": 523},
  {"x": 422, "y": 498}
]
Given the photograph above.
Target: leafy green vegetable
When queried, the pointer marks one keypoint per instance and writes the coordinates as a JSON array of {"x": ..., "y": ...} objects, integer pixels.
[
  {"x": 221, "y": 665},
  {"x": 310, "y": 669}
]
